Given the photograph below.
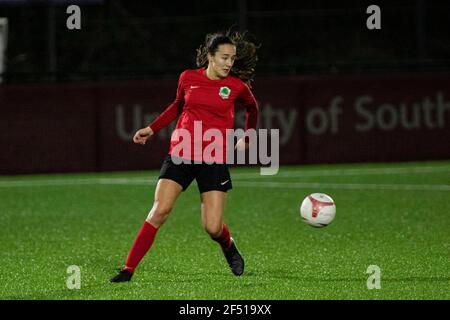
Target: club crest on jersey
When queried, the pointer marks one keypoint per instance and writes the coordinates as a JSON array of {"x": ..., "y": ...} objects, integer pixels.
[{"x": 224, "y": 92}]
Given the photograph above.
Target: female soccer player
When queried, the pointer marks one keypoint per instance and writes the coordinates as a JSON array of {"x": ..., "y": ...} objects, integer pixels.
[{"x": 205, "y": 96}]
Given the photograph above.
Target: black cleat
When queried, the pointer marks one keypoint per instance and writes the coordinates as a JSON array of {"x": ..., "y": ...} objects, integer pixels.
[
  {"x": 124, "y": 275},
  {"x": 234, "y": 259}
]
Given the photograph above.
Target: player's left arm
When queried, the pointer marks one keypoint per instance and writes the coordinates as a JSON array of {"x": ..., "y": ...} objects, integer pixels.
[{"x": 248, "y": 101}]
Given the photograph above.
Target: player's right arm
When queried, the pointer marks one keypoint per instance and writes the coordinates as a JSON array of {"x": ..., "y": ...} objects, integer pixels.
[
  {"x": 142, "y": 135},
  {"x": 173, "y": 110},
  {"x": 165, "y": 118}
]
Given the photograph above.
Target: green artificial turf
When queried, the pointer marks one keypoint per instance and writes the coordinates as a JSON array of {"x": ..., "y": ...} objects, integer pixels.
[{"x": 395, "y": 216}]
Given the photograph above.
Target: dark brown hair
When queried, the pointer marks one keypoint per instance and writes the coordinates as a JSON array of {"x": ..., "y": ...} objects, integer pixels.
[{"x": 245, "y": 63}]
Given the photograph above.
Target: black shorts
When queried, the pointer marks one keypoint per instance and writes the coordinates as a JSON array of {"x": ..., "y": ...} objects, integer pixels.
[{"x": 209, "y": 177}]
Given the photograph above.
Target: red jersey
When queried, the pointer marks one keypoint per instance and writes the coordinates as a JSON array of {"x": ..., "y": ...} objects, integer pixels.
[{"x": 209, "y": 101}]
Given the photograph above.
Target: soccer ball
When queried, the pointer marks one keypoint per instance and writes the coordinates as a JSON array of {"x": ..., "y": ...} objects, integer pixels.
[{"x": 318, "y": 210}]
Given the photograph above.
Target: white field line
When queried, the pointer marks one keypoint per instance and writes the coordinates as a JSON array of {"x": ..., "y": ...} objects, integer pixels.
[
  {"x": 344, "y": 186},
  {"x": 151, "y": 180},
  {"x": 250, "y": 184},
  {"x": 235, "y": 176},
  {"x": 77, "y": 182},
  {"x": 348, "y": 172}
]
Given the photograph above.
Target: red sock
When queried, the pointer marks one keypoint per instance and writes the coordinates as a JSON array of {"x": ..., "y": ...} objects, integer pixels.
[
  {"x": 224, "y": 239},
  {"x": 141, "y": 245}
]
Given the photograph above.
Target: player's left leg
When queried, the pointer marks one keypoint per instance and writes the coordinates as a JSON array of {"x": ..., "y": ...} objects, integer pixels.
[
  {"x": 212, "y": 209},
  {"x": 166, "y": 193}
]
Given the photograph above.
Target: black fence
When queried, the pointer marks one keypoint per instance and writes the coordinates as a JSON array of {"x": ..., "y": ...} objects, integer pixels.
[{"x": 143, "y": 39}]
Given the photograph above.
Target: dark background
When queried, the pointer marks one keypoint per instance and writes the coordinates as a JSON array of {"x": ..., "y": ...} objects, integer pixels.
[
  {"x": 71, "y": 100},
  {"x": 140, "y": 39}
]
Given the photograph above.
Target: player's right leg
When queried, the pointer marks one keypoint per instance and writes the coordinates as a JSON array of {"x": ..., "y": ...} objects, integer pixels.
[{"x": 167, "y": 191}]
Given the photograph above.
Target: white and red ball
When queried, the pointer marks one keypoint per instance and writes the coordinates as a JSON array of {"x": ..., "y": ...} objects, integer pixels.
[{"x": 318, "y": 210}]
